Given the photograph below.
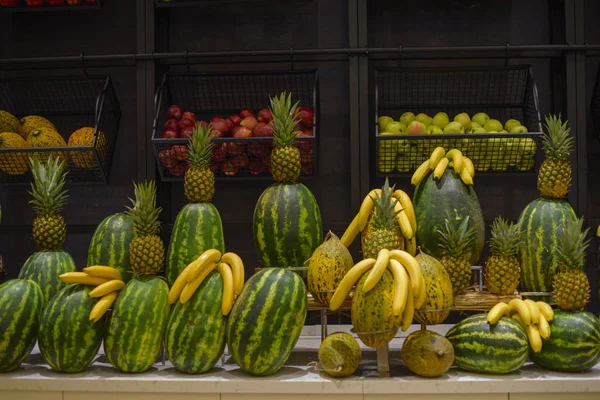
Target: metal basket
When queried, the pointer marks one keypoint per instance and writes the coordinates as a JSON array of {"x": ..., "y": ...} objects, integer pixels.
[
  {"x": 501, "y": 92},
  {"x": 70, "y": 103},
  {"x": 210, "y": 94}
]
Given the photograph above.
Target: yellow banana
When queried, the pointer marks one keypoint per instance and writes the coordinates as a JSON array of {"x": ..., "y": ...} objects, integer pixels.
[
  {"x": 348, "y": 281},
  {"x": 420, "y": 173},
  {"x": 237, "y": 269},
  {"x": 366, "y": 207},
  {"x": 407, "y": 205},
  {"x": 436, "y": 156},
  {"x": 81, "y": 278},
  {"x": 545, "y": 310},
  {"x": 403, "y": 221},
  {"x": 191, "y": 287},
  {"x": 101, "y": 271},
  {"x": 469, "y": 166},
  {"x": 102, "y": 306},
  {"x": 401, "y": 287},
  {"x": 411, "y": 246},
  {"x": 412, "y": 268},
  {"x": 420, "y": 301},
  {"x": 534, "y": 311},
  {"x": 518, "y": 306},
  {"x": 107, "y": 287},
  {"x": 544, "y": 327},
  {"x": 383, "y": 259},
  {"x": 205, "y": 259},
  {"x": 350, "y": 233},
  {"x": 179, "y": 284},
  {"x": 535, "y": 339},
  {"x": 409, "y": 310},
  {"x": 227, "y": 276},
  {"x": 497, "y": 312},
  {"x": 518, "y": 318},
  {"x": 457, "y": 159},
  {"x": 438, "y": 172},
  {"x": 466, "y": 177}
]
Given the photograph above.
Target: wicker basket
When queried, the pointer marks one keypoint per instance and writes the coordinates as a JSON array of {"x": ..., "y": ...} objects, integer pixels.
[{"x": 475, "y": 299}]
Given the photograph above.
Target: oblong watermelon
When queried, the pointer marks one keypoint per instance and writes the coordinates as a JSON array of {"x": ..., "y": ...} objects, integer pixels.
[
  {"x": 501, "y": 348},
  {"x": 197, "y": 228},
  {"x": 266, "y": 320},
  {"x": 540, "y": 225},
  {"x": 449, "y": 197},
  {"x": 574, "y": 343},
  {"x": 21, "y": 306},
  {"x": 110, "y": 244},
  {"x": 68, "y": 340},
  {"x": 287, "y": 225},
  {"x": 195, "y": 335},
  {"x": 44, "y": 267},
  {"x": 135, "y": 332}
]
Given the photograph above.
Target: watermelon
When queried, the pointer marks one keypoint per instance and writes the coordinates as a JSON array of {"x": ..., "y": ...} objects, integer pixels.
[
  {"x": 197, "y": 228},
  {"x": 501, "y": 348},
  {"x": 110, "y": 244},
  {"x": 44, "y": 267},
  {"x": 68, "y": 340},
  {"x": 21, "y": 306},
  {"x": 287, "y": 225},
  {"x": 266, "y": 320},
  {"x": 195, "y": 336},
  {"x": 574, "y": 343},
  {"x": 540, "y": 225},
  {"x": 135, "y": 332},
  {"x": 434, "y": 201}
]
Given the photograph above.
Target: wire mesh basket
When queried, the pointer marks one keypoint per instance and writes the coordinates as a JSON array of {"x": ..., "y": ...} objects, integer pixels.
[
  {"x": 595, "y": 104},
  {"x": 85, "y": 112},
  {"x": 209, "y": 96},
  {"x": 45, "y": 5},
  {"x": 501, "y": 93}
]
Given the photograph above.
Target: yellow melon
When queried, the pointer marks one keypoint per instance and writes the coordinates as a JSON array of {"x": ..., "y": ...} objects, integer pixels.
[
  {"x": 32, "y": 122},
  {"x": 46, "y": 137},
  {"x": 85, "y": 137},
  {"x": 13, "y": 163}
]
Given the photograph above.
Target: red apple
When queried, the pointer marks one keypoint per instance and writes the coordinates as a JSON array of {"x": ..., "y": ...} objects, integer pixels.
[
  {"x": 221, "y": 126},
  {"x": 166, "y": 158},
  {"x": 230, "y": 125},
  {"x": 264, "y": 115},
  {"x": 185, "y": 122},
  {"x": 174, "y": 112},
  {"x": 218, "y": 153},
  {"x": 263, "y": 130},
  {"x": 189, "y": 115},
  {"x": 242, "y": 132},
  {"x": 233, "y": 149},
  {"x": 415, "y": 128},
  {"x": 229, "y": 169},
  {"x": 179, "y": 152},
  {"x": 187, "y": 132},
  {"x": 169, "y": 134},
  {"x": 201, "y": 123},
  {"x": 259, "y": 149},
  {"x": 216, "y": 118},
  {"x": 179, "y": 168},
  {"x": 246, "y": 113},
  {"x": 306, "y": 116},
  {"x": 240, "y": 161},
  {"x": 249, "y": 122},
  {"x": 171, "y": 124},
  {"x": 235, "y": 119},
  {"x": 256, "y": 167}
]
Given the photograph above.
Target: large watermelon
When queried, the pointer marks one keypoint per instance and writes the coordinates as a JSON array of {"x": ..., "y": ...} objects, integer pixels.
[
  {"x": 195, "y": 336},
  {"x": 197, "y": 228},
  {"x": 44, "y": 267},
  {"x": 68, "y": 340},
  {"x": 266, "y": 320},
  {"x": 540, "y": 225},
  {"x": 287, "y": 225},
  {"x": 574, "y": 343},
  {"x": 434, "y": 201},
  {"x": 21, "y": 306},
  {"x": 501, "y": 348},
  {"x": 110, "y": 244},
  {"x": 139, "y": 316}
]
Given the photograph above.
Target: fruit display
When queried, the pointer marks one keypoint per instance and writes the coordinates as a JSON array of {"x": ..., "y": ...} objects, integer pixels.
[
  {"x": 427, "y": 353},
  {"x": 339, "y": 354},
  {"x": 438, "y": 289},
  {"x": 456, "y": 239},
  {"x": 502, "y": 267}
]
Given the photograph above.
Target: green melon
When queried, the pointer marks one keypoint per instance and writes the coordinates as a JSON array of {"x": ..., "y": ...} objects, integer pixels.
[
  {"x": 44, "y": 267},
  {"x": 339, "y": 354},
  {"x": 110, "y": 244},
  {"x": 438, "y": 287}
]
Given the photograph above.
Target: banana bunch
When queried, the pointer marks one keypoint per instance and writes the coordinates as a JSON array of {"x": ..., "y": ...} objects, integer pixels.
[
  {"x": 409, "y": 293},
  {"x": 107, "y": 281},
  {"x": 440, "y": 161},
  {"x": 405, "y": 216},
  {"x": 533, "y": 316},
  {"x": 229, "y": 266}
]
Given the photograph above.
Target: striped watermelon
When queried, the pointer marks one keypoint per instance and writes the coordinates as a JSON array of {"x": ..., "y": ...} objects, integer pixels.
[
  {"x": 44, "y": 267},
  {"x": 501, "y": 348},
  {"x": 195, "y": 336},
  {"x": 287, "y": 225},
  {"x": 110, "y": 244},
  {"x": 21, "y": 306},
  {"x": 574, "y": 343},
  {"x": 197, "y": 228},
  {"x": 434, "y": 201},
  {"x": 68, "y": 340},
  {"x": 540, "y": 225},
  {"x": 266, "y": 320},
  {"x": 137, "y": 325}
]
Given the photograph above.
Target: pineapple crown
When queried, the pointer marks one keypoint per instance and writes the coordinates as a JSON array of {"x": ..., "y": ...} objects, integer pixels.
[
  {"x": 557, "y": 142},
  {"x": 47, "y": 186},
  {"x": 200, "y": 146},
  {"x": 384, "y": 216},
  {"x": 456, "y": 239},
  {"x": 572, "y": 246},
  {"x": 144, "y": 213},
  {"x": 505, "y": 237},
  {"x": 285, "y": 119}
]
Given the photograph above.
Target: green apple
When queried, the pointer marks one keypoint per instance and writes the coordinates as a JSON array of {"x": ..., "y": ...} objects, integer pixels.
[
  {"x": 479, "y": 129},
  {"x": 441, "y": 120},
  {"x": 402, "y": 127},
  {"x": 403, "y": 146},
  {"x": 503, "y": 131},
  {"x": 527, "y": 146},
  {"x": 511, "y": 123},
  {"x": 475, "y": 125},
  {"x": 518, "y": 129},
  {"x": 434, "y": 130},
  {"x": 422, "y": 118},
  {"x": 386, "y": 157},
  {"x": 394, "y": 127},
  {"x": 454, "y": 128},
  {"x": 480, "y": 118},
  {"x": 383, "y": 122},
  {"x": 464, "y": 120},
  {"x": 407, "y": 118},
  {"x": 493, "y": 125},
  {"x": 415, "y": 128}
]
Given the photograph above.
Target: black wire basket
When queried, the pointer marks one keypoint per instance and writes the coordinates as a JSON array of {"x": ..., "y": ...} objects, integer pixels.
[
  {"x": 595, "y": 105},
  {"x": 503, "y": 93},
  {"x": 44, "y": 5},
  {"x": 84, "y": 109},
  {"x": 209, "y": 95}
]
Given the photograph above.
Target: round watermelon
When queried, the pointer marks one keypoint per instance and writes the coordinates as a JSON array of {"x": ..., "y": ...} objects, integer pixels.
[{"x": 44, "y": 267}]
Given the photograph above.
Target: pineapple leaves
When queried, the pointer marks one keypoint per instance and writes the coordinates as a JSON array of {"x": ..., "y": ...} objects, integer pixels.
[
  {"x": 572, "y": 246},
  {"x": 285, "y": 119},
  {"x": 144, "y": 212},
  {"x": 557, "y": 142},
  {"x": 47, "y": 187},
  {"x": 456, "y": 238}
]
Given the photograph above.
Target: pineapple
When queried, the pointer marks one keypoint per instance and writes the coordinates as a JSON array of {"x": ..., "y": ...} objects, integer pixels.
[
  {"x": 554, "y": 177},
  {"x": 382, "y": 231},
  {"x": 285, "y": 157},
  {"x": 502, "y": 269},
  {"x": 199, "y": 183},
  {"x": 571, "y": 284},
  {"x": 49, "y": 228},
  {"x": 456, "y": 243},
  {"x": 146, "y": 252}
]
